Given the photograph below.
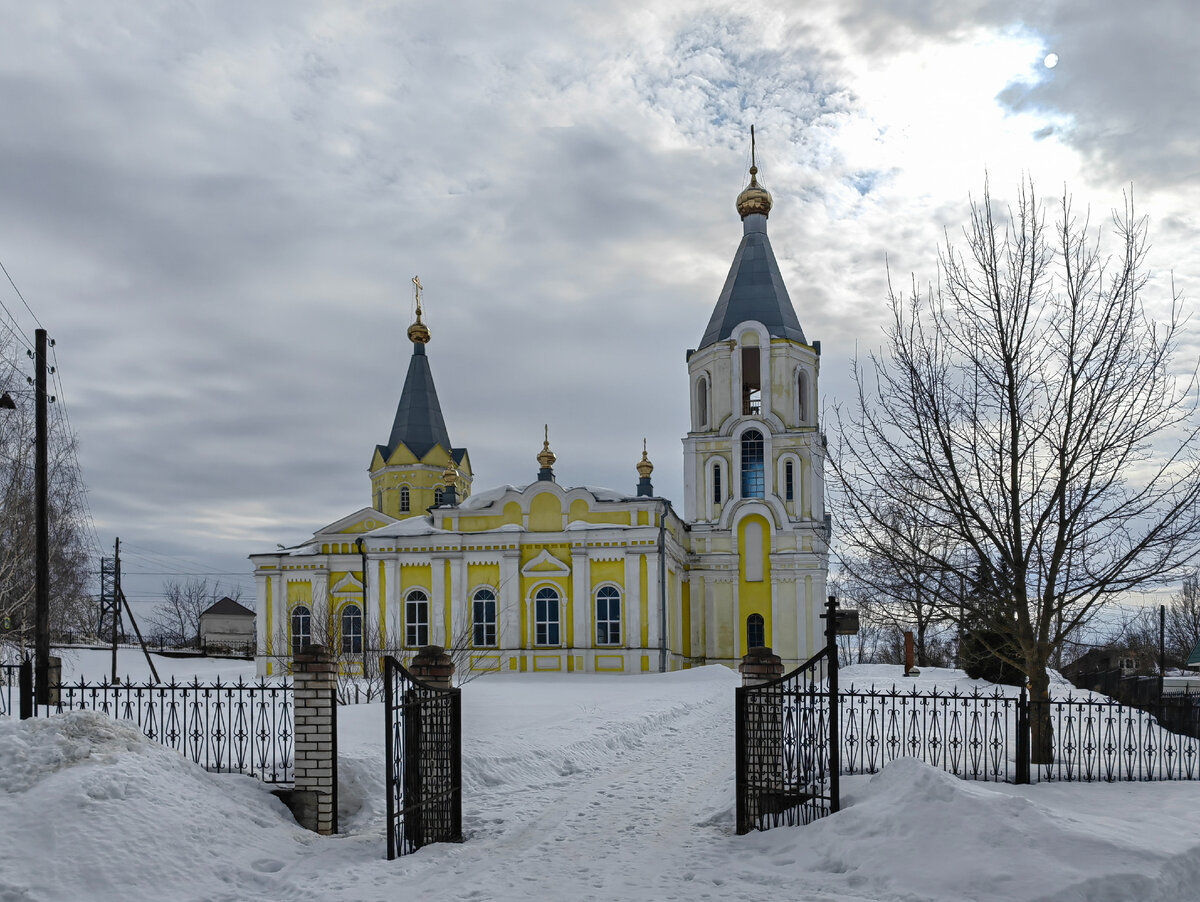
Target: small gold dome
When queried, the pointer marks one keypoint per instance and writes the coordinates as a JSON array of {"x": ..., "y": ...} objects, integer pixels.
[
  {"x": 755, "y": 198},
  {"x": 450, "y": 474},
  {"x": 418, "y": 333},
  {"x": 644, "y": 467},
  {"x": 546, "y": 457}
]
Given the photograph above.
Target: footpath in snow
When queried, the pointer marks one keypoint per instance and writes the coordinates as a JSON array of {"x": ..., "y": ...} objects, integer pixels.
[{"x": 580, "y": 788}]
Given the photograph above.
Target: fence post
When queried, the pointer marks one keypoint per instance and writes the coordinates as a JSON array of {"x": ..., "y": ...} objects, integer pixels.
[
  {"x": 1023, "y": 740},
  {"x": 25, "y": 689},
  {"x": 433, "y": 666},
  {"x": 314, "y": 799},
  {"x": 835, "y": 747}
]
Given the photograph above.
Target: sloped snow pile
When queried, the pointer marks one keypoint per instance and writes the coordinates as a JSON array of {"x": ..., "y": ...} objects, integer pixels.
[
  {"x": 914, "y": 831},
  {"x": 88, "y": 806}
]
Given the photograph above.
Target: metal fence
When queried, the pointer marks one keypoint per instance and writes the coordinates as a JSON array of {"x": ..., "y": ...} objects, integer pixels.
[
  {"x": 226, "y": 727},
  {"x": 10, "y": 689},
  {"x": 985, "y": 735}
]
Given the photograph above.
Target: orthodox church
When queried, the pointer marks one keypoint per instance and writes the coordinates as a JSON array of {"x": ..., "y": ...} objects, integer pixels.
[{"x": 545, "y": 577}]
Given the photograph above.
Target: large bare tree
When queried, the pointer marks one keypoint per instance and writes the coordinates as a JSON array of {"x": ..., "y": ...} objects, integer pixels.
[{"x": 1032, "y": 404}]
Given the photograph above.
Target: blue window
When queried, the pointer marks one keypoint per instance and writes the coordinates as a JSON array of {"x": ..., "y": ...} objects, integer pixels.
[
  {"x": 756, "y": 633},
  {"x": 545, "y": 617},
  {"x": 752, "y": 464},
  {"x": 301, "y": 628},
  {"x": 416, "y": 619},
  {"x": 789, "y": 482},
  {"x": 716, "y": 483},
  {"x": 608, "y": 616},
  {"x": 483, "y": 619},
  {"x": 404, "y": 499},
  {"x": 352, "y": 630}
]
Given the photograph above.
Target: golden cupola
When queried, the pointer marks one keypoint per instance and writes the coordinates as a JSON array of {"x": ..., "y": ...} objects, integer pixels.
[{"x": 754, "y": 197}]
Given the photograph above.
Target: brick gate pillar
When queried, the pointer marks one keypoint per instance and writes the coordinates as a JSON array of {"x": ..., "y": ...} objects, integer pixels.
[
  {"x": 433, "y": 666},
  {"x": 766, "y": 765},
  {"x": 314, "y": 800}
]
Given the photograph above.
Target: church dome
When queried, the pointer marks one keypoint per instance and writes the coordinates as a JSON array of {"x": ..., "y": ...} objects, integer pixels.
[{"x": 755, "y": 198}]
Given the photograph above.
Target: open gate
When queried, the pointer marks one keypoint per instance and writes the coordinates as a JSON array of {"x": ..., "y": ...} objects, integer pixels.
[
  {"x": 787, "y": 740},
  {"x": 424, "y": 761}
]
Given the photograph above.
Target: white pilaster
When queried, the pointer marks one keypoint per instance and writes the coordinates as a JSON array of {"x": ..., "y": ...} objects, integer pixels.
[
  {"x": 510, "y": 600},
  {"x": 633, "y": 600},
  {"x": 437, "y": 604},
  {"x": 581, "y": 597}
]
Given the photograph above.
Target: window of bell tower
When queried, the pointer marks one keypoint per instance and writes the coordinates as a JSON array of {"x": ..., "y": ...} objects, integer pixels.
[{"x": 751, "y": 382}]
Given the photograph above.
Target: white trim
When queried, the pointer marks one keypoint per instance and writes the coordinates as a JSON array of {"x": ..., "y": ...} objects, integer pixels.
[{"x": 558, "y": 568}]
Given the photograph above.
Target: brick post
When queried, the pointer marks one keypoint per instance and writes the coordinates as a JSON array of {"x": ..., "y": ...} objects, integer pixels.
[
  {"x": 763, "y": 754},
  {"x": 433, "y": 666},
  {"x": 314, "y": 799},
  {"x": 760, "y": 665}
]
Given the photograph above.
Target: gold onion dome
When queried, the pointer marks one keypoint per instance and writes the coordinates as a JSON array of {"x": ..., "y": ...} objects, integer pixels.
[
  {"x": 418, "y": 333},
  {"x": 450, "y": 474},
  {"x": 754, "y": 198},
  {"x": 546, "y": 457},
  {"x": 644, "y": 466}
]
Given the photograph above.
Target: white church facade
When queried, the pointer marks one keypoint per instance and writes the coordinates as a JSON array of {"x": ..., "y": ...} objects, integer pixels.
[{"x": 548, "y": 578}]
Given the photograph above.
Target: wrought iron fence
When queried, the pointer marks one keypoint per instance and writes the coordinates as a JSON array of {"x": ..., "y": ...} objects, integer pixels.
[
  {"x": 985, "y": 735},
  {"x": 782, "y": 747},
  {"x": 423, "y": 760},
  {"x": 971, "y": 735},
  {"x": 10, "y": 681},
  {"x": 227, "y": 727}
]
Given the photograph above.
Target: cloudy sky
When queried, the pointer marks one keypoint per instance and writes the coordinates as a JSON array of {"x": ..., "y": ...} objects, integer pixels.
[{"x": 216, "y": 208}]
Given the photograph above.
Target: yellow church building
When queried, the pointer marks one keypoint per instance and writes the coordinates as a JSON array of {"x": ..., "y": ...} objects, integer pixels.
[{"x": 546, "y": 578}]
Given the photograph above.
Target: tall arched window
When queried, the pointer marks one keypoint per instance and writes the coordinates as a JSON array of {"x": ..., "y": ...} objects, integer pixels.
[
  {"x": 756, "y": 632},
  {"x": 716, "y": 483},
  {"x": 608, "y": 616},
  {"x": 416, "y": 618},
  {"x": 802, "y": 396},
  {"x": 545, "y": 617},
  {"x": 483, "y": 618},
  {"x": 701, "y": 402},
  {"x": 789, "y": 482},
  {"x": 352, "y": 631},
  {"x": 404, "y": 502},
  {"x": 752, "y": 464},
  {"x": 301, "y": 628}
]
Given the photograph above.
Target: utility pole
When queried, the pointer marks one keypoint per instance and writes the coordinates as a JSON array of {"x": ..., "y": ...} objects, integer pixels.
[
  {"x": 41, "y": 634},
  {"x": 116, "y": 607}
]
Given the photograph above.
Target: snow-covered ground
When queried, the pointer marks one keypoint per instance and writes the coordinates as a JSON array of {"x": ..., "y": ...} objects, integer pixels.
[{"x": 575, "y": 788}]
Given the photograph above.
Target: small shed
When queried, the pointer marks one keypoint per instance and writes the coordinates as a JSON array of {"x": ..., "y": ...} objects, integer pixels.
[{"x": 227, "y": 624}]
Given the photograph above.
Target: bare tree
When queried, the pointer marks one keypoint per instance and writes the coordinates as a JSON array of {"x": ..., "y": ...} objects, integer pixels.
[
  {"x": 176, "y": 619},
  {"x": 1030, "y": 402},
  {"x": 895, "y": 580},
  {"x": 71, "y": 609}
]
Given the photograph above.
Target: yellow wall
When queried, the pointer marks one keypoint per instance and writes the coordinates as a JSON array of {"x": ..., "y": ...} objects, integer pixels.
[
  {"x": 545, "y": 513},
  {"x": 754, "y": 597}
]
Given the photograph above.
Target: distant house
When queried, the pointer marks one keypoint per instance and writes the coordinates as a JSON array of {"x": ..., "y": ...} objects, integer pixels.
[
  {"x": 228, "y": 624},
  {"x": 1194, "y": 658},
  {"x": 1105, "y": 660}
]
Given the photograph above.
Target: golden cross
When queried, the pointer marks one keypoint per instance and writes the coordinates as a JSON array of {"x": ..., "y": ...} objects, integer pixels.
[{"x": 417, "y": 286}]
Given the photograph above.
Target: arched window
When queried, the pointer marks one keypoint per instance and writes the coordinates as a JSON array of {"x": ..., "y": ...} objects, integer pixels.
[
  {"x": 545, "y": 617},
  {"x": 716, "y": 483},
  {"x": 301, "y": 628},
  {"x": 483, "y": 618},
  {"x": 437, "y": 496},
  {"x": 416, "y": 618},
  {"x": 608, "y": 616},
  {"x": 702, "y": 403},
  {"x": 789, "y": 482},
  {"x": 404, "y": 502},
  {"x": 752, "y": 464},
  {"x": 352, "y": 631},
  {"x": 756, "y": 633},
  {"x": 802, "y": 396}
]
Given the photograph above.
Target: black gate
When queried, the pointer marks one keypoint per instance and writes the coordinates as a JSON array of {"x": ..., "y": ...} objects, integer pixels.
[
  {"x": 787, "y": 743},
  {"x": 424, "y": 762}
]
